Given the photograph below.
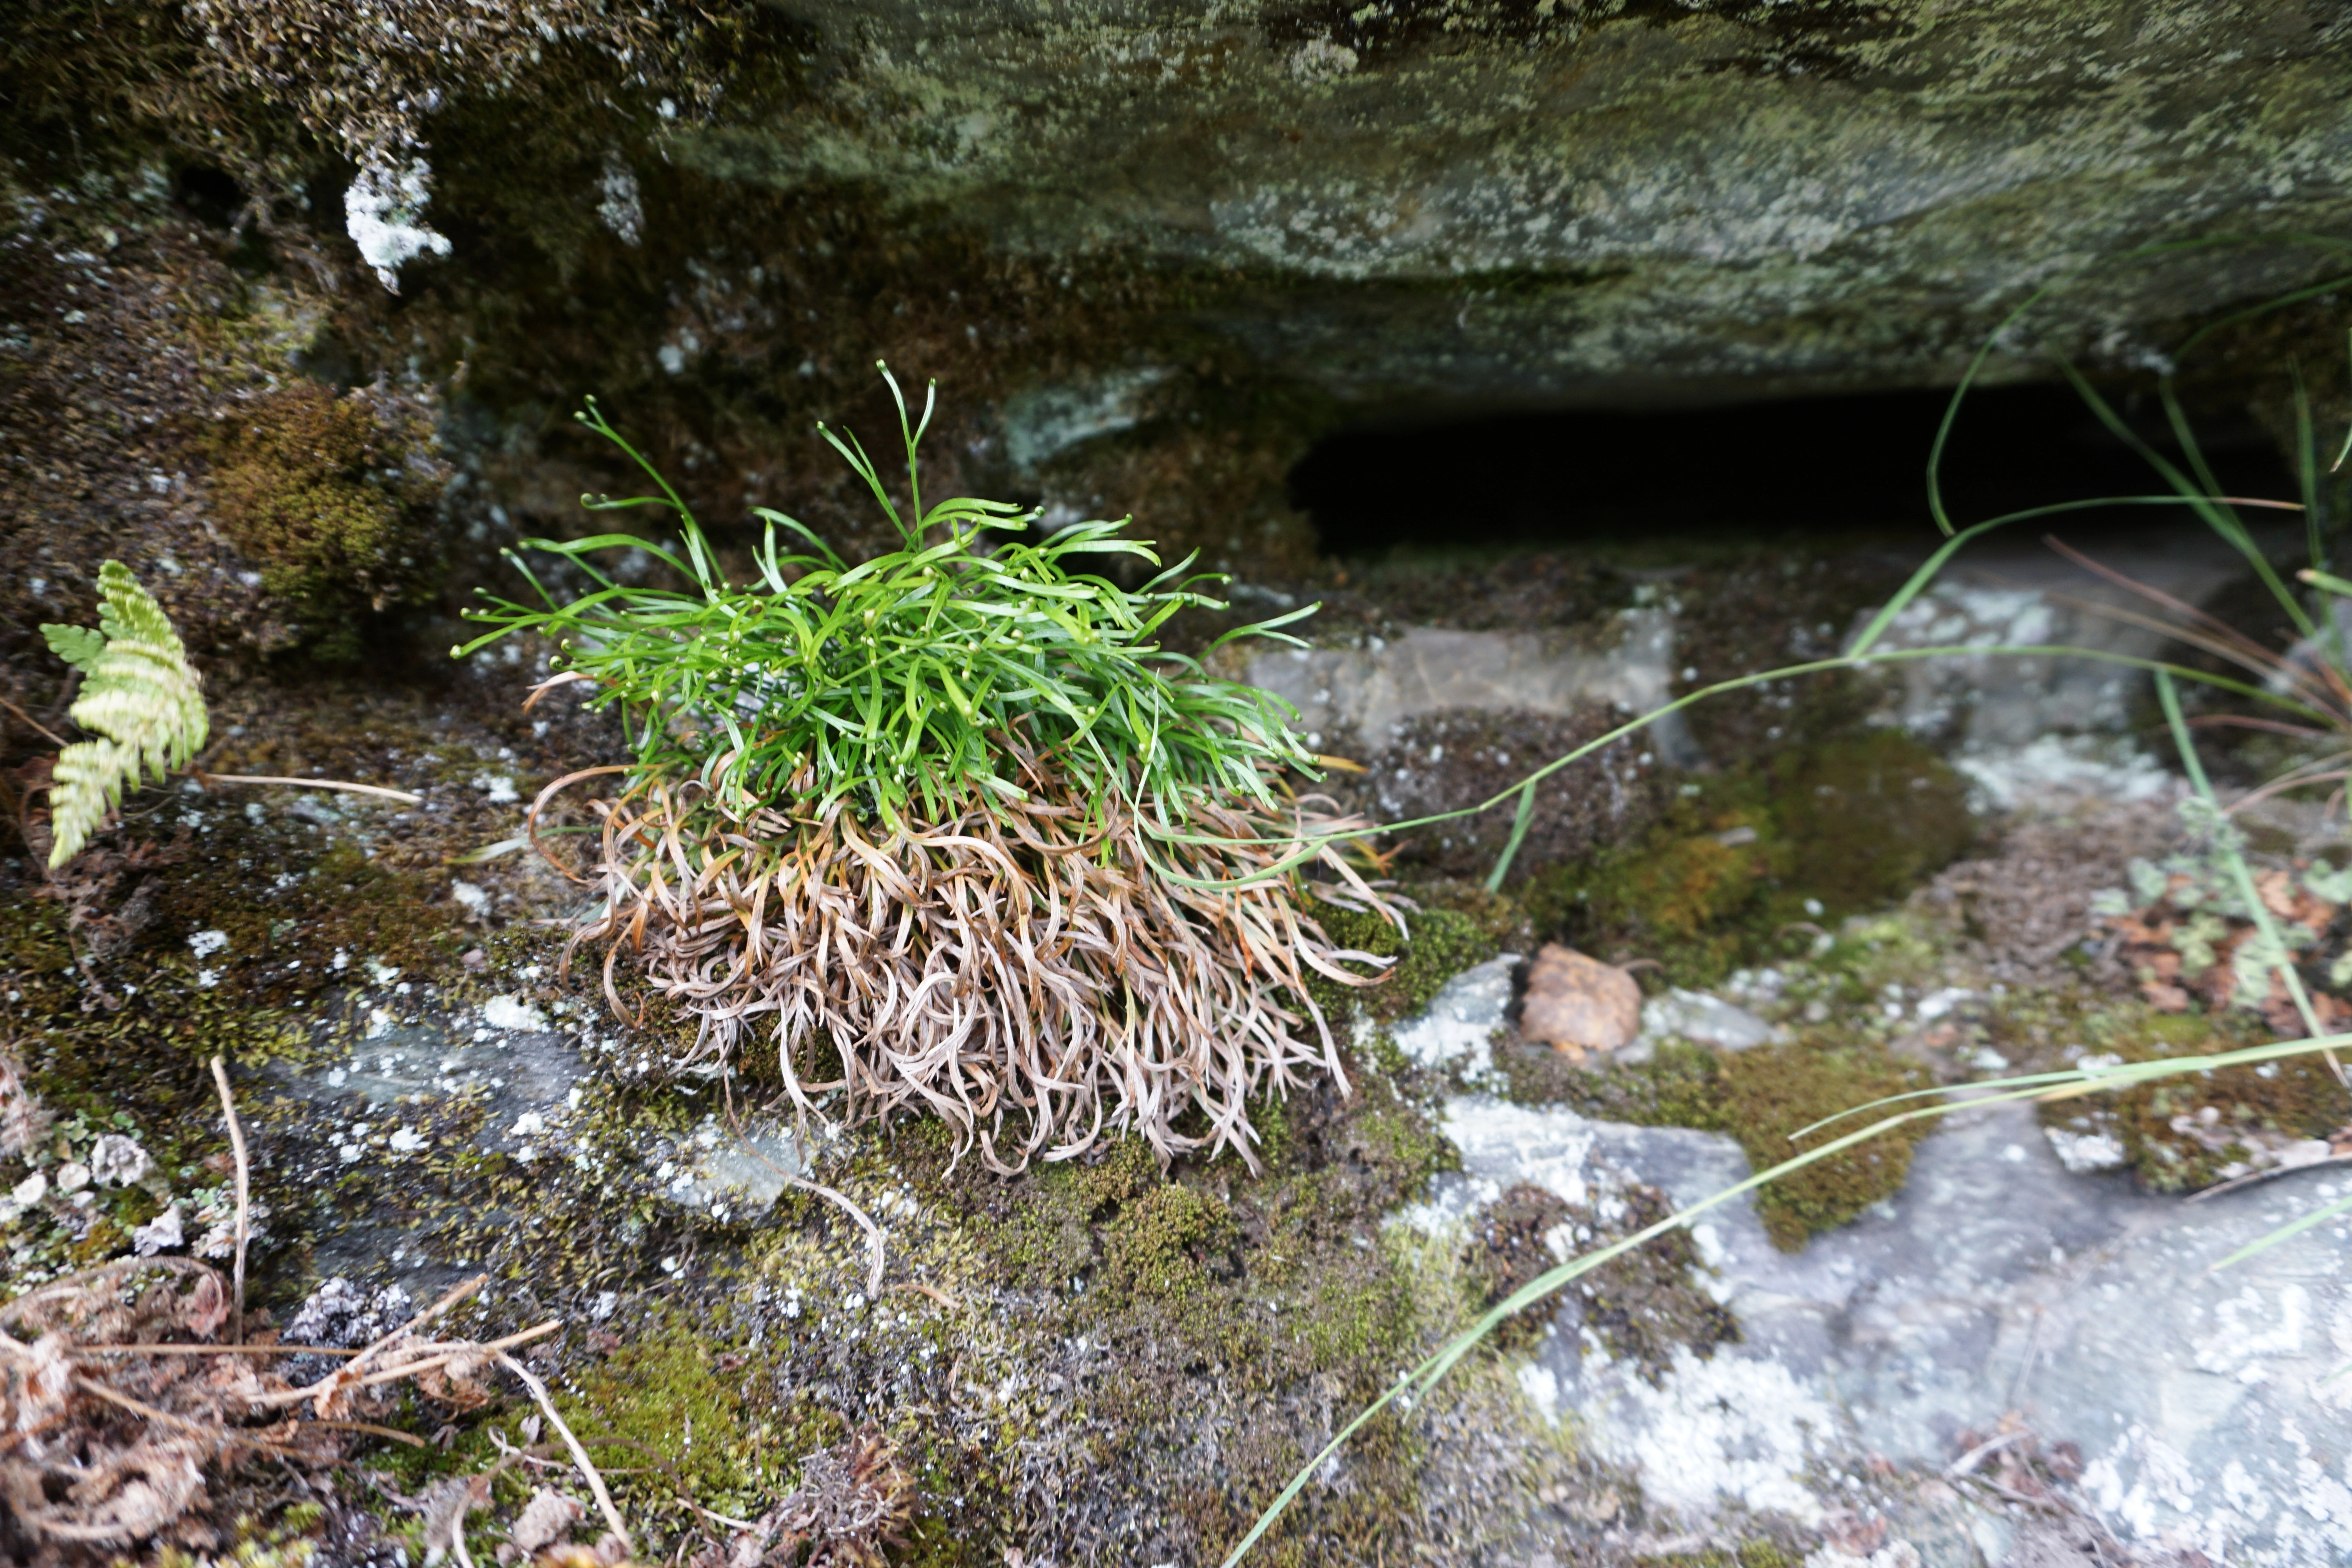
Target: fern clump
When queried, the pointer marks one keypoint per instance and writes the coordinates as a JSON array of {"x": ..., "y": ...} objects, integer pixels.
[
  {"x": 952, "y": 829},
  {"x": 139, "y": 695}
]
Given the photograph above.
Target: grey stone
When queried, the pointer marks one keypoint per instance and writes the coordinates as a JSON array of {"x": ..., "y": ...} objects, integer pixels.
[
  {"x": 717, "y": 1170},
  {"x": 1994, "y": 1282},
  {"x": 1453, "y": 1030},
  {"x": 1365, "y": 693},
  {"x": 2028, "y": 730},
  {"x": 2013, "y": 591},
  {"x": 1593, "y": 200},
  {"x": 1695, "y": 1016},
  {"x": 1046, "y": 420},
  {"x": 527, "y": 1071}
]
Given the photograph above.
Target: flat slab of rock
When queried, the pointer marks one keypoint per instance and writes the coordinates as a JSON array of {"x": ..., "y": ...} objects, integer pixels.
[
  {"x": 1460, "y": 1019},
  {"x": 2201, "y": 1403},
  {"x": 1725, "y": 193}
]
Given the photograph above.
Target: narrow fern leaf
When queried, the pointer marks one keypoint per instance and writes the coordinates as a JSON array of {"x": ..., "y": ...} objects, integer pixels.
[
  {"x": 86, "y": 784},
  {"x": 139, "y": 692},
  {"x": 126, "y": 612},
  {"x": 78, "y": 646}
]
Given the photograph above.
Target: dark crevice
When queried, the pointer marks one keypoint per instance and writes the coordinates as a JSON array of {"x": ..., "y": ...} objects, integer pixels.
[
  {"x": 1817, "y": 467},
  {"x": 209, "y": 196}
]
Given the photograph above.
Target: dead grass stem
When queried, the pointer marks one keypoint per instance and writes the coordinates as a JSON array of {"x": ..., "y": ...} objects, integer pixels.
[
  {"x": 243, "y": 1198},
  {"x": 1035, "y": 972}
]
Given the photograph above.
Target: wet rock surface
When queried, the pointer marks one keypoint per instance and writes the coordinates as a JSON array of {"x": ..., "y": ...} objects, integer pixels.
[
  {"x": 1153, "y": 254},
  {"x": 431, "y": 1096},
  {"x": 1995, "y": 1286}
]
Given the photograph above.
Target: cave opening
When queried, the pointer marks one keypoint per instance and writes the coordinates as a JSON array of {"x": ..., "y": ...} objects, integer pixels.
[{"x": 1847, "y": 467}]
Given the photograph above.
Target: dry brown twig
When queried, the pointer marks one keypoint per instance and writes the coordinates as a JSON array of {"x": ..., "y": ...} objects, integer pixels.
[
  {"x": 104, "y": 1452},
  {"x": 379, "y": 791},
  {"x": 244, "y": 1198},
  {"x": 579, "y": 1453}
]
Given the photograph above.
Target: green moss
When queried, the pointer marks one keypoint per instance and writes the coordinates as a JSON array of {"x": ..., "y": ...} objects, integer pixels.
[
  {"x": 660, "y": 1399},
  {"x": 1770, "y": 1092},
  {"x": 1759, "y": 1096},
  {"x": 1439, "y": 944},
  {"x": 326, "y": 495},
  {"x": 2180, "y": 1134},
  {"x": 1205, "y": 1291},
  {"x": 1395, "y": 1147},
  {"x": 1047, "y": 1235},
  {"x": 1649, "y": 1303},
  {"x": 1750, "y": 860},
  {"x": 1866, "y": 819},
  {"x": 1507, "y": 1249},
  {"x": 1679, "y": 1086},
  {"x": 1166, "y": 1241},
  {"x": 285, "y": 1544},
  {"x": 1759, "y": 1552}
]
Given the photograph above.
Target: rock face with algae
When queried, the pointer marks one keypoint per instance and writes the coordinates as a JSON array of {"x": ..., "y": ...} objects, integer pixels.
[
  {"x": 1153, "y": 251},
  {"x": 1450, "y": 199}
]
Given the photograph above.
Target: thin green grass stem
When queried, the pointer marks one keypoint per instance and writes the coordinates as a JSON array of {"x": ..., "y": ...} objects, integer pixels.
[
  {"x": 1520, "y": 823},
  {"x": 1993, "y": 339},
  {"x": 2195, "y": 488},
  {"x": 2225, "y": 844}
]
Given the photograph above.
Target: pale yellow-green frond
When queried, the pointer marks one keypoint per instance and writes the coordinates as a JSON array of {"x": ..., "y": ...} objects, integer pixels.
[
  {"x": 138, "y": 691},
  {"x": 87, "y": 784}
]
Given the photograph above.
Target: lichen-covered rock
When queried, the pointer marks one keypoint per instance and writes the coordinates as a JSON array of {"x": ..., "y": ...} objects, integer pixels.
[{"x": 1450, "y": 198}]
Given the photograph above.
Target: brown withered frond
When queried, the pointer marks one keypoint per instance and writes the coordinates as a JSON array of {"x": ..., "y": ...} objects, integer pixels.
[
  {"x": 117, "y": 1398},
  {"x": 109, "y": 1449}
]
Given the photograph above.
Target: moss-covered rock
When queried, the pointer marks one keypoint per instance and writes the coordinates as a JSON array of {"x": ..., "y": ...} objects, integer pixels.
[
  {"x": 1438, "y": 943},
  {"x": 1761, "y": 1097},
  {"x": 2175, "y": 1134},
  {"x": 1248, "y": 140},
  {"x": 327, "y": 496},
  {"x": 1746, "y": 860},
  {"x": 1771, "y": 1093}
]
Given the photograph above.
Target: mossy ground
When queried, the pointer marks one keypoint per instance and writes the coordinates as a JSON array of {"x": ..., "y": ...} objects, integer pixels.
[
  {"x": 1770, "y": 1093},
  {"x": 1454, "y": 927},
  {"x": 330, "y": 497},
  {"x": 2177, "y": 1134},
  {"x": 1094, "y": 1332},
  {"x": 1843, "y": 1051},
  {"x": 1760, "y": 1552},
  {"x": 1750, "y": 863},
  {"x": 1760, "y": 1096},
  {"x": 1050, "y": 1345}
]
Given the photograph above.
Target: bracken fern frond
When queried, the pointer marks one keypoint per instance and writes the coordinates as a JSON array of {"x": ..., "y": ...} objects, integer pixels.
[{"x": 139, "y": 694}]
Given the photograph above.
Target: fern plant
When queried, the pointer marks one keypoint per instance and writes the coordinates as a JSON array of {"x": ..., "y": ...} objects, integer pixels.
[{"x": 139, "y": 696}]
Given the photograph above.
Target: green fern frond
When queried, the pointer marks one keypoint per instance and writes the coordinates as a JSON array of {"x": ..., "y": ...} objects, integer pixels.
[
  {"x": 78, "y": 646},
  {"x": 138, "y": 691},
  {"x": 86, "y": 784}
]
